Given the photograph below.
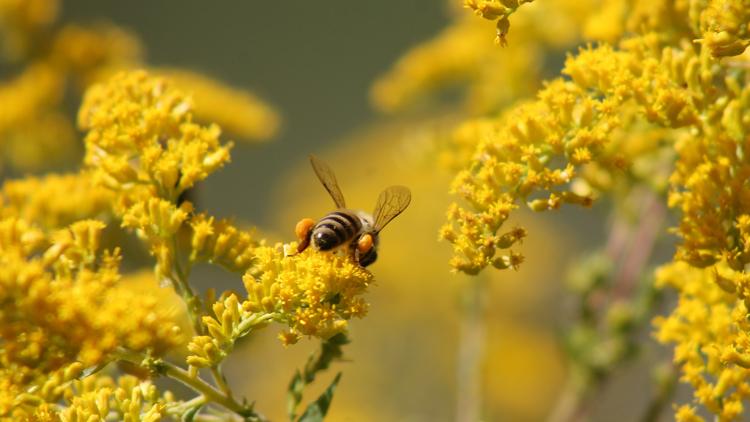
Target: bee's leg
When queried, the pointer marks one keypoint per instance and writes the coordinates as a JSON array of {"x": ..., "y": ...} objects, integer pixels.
[
  {"x": 354, "y": 251},
  {"x": 303, "y": 230},
  {"x": 366, "y": 253},
  {"x": 304, "y": 243}
]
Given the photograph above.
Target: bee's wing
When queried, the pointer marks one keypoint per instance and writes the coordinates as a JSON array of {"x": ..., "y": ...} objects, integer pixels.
[
  {"x": 328, "y": 179},
  {"x": 391, "y": 202}
]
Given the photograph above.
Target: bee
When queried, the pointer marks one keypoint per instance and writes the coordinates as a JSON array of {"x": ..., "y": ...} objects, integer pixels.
[{"x": 356, "y": 230}]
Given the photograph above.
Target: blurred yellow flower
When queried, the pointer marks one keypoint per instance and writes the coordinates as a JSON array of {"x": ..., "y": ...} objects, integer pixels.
[
  {"x": 65, "y": 304},
  {"x": 54, "y": 201},
  {"x": 238, "y": 112},
  {"x": 463, "y": 55},
  {"x": 48, "y": 58}
]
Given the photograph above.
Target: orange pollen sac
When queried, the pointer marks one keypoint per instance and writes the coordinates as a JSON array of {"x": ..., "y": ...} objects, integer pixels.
[
  {"x": 303, "y": 227},
  {"x": 364, "y": 243}
]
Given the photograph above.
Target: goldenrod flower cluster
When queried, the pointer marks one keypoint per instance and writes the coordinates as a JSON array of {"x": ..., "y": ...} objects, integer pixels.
[
  {"x": 496, "y": 10},
  {"x": 66, "y": 302},
  {"x": 314, "y": 294},
  {"x": 102, "y": 398},
  {"x": 141, "y": 133},
  {"x": 220, "y": 242},
  {"x": 710, "y": 330},
  {"x": 536, "y": 152},
  {"x": 494, "y": 77},
  {"x": 660, "y": 101},
  {"x": 142, "y": 144},
  {"x": 35, "y": 131},
  {"x": 725, "y": 27},
  {"x": 71, "y": 312},
  {"x": 126, "y": 398},
  {"x": 55, "y": 201}
]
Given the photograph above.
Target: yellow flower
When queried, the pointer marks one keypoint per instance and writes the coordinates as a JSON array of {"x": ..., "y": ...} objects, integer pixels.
[
  {"x": 464, "y": 56},
  {"x": 54, "y": 201},
  {"x": 313, "y": 293},
  {"x": 237, "y": 111},
  {"x": 229, "y": 323},
  {"x": 726, "y": 31},
  {"x": 37, "y": 88},
  {"x": 66, "y": 303},
  {"x": 20, "y": 19},
  {"x": 686, "y": 413},
  {"x": 88, "y": 53},
  {"x": 710, "y": 331},
  {"x": 220, "y": 242},
  {"x": 499, "y": 10},
  {"x": 140, "y": 131},
  {"x": 127, "y": 398}
]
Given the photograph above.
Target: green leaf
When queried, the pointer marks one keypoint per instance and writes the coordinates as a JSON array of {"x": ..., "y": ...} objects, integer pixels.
[
  {"x": 317, "y": 410},
  {"x": 330, "y": 350},
  {"x": 294, "y": 394},
  {"x": 91, "y": 370},
  {"x": 189, "y": 415}
]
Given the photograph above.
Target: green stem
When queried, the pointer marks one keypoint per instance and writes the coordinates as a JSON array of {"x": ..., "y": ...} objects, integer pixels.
[
  {"x": 220, "y": 380},
  {"x": 665, "y": 385},
  {"x": 183, "y": 407},
  {"x": 630, "y": 247},
  {"x": 168, "y": 369},
  {"x": 571, "y": 404},
  {"x": 471, "y": 352},
  {"x": 182, "y": 286}
]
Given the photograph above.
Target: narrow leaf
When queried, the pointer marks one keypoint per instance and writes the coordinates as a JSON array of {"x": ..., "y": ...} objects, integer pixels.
[
  {"x": 318, "y": 409},
  {"x": 189, "y": 415},
  {"x": 294, "y": 394}
]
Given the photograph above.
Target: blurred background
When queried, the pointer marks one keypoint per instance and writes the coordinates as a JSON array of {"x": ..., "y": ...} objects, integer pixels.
[{"x": 316, "y": 62}]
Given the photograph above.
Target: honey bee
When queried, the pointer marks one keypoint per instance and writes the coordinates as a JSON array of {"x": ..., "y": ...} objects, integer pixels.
[{"x": 356, "y": 230}]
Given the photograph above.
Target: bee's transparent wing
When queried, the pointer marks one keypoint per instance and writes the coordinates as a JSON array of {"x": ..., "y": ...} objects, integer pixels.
[
  {"x": 328, "y": 179},
  {"x": 391, "y": 202}
]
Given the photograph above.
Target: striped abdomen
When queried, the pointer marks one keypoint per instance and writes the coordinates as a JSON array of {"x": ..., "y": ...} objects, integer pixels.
[{"x": 336, "y": 229}]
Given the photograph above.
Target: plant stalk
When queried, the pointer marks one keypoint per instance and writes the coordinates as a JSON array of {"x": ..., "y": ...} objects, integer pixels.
[
  {"x": 168, "y": 369},
  {"x": 471, "y": 352},
  {"x": 630, "y": 247}
]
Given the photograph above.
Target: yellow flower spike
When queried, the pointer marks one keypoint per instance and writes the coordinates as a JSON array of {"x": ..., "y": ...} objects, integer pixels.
[
  {"x": 686, "y": 413},
  {"x": 89, "y": 52},
  {"x": 725, "y": 28},
  {"x": 231, "y": 321},
  {"x": 220, "y": 242},
  {"x": 464, "y": 55},
  {"x": 709, "y": 328},
  {"x": 288, "y": 337},
  {"x": 54, "y": 201},
  {"x": 312, "y": 293},
  {"x": 102, "y": 402},
  {"x": 566, "y": 123},
  {"x": 237, "y": 111},
  {"x": 21, "y": 20},
  {"x": 129, "y": 399},
  {"x": 86, "y": 235},
  {"x": 140, "y": 130},
  {"x": 86, "y": 313},
  {"x": 156, "y": 218}
]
